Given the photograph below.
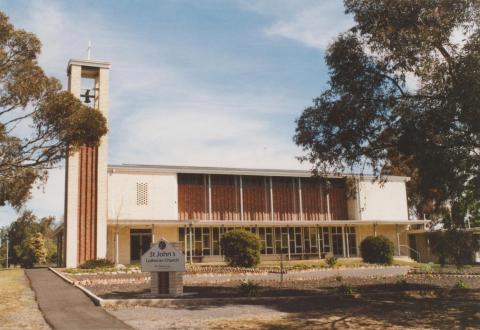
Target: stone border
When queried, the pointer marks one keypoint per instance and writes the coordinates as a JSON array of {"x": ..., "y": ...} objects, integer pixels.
[
  {"x": 262, "y": 272},
  {"x": 96, "y": 299}
]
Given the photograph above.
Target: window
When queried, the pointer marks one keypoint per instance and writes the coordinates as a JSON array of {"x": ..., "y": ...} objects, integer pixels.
[
  {"x": 325, "y": 240},
  {"x": 351, "y": 240},
  {"x": 216, "y": 241},
  {"x": 337, "y": 240},
  {"x": 142, "y": 193},
  {"x": 298, "y": 240},
  {"x": 206, "y": 241},
  {"x": 278, "y": 240},
  {"x": 197, "y": 242}
]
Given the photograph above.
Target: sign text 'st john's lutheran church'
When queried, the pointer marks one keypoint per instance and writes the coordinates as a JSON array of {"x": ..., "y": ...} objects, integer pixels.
[{"x": 163, "y": 257}]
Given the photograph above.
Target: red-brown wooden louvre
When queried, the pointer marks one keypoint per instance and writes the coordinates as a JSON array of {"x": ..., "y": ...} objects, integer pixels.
[
  {"x": 314, "y": 204},
  {"x": 192, "y": 197},
  {"x": 338, "y": 200},
  {"x": 286, "y": 203},
  {"x": 225, "y": 197},
  {"x": 87, "y": 204},
  {"x": 193, "y": 194},
  {"x": 256, "y": 198}
]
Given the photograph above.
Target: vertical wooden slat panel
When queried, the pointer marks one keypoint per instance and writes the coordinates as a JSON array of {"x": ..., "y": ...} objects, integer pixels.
[
  {"x": 81, "y": 207},
  {"x": 88, "y": 200},
  {"x": 284, "y": 196},
  {"x": 338, "y": 200},
  {"x": 93, "y": 213},
  {"x": 225, "y": 204},
  {"x": 87, "y": 211},
  {"x": 313, "y": 199},
  {"x": 96, "y": 202},
  {"x": 256, "y": 200},
  {"x": 192, "y": 197}
]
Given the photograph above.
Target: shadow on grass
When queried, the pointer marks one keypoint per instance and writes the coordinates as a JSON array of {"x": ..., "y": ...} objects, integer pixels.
[
  {"x": 389, "y": 310},
  {"x": 378, "y": 306}
]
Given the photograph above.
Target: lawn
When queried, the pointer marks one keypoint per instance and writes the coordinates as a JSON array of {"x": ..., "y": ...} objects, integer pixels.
[{"x": 18, "y": 308}]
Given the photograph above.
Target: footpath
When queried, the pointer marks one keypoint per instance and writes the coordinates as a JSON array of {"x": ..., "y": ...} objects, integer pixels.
[{"x": 65, "y": 306}]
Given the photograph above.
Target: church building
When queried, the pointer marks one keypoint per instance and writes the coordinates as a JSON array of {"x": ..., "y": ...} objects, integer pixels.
[{"x": 117, "y": 211}]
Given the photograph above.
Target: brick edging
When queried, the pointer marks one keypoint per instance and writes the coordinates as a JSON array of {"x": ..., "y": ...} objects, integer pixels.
[{"x": 96, "y": 299}]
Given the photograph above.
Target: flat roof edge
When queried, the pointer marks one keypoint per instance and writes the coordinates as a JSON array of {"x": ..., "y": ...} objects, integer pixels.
[
  {"x": 266, "y": 222},
  {"x": 157, "y": 169}
]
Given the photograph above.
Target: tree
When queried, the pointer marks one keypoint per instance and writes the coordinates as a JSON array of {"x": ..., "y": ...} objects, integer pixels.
[
  {"x": 377, "y": 250},
  {"x": 39, "y": 123},
  {"x": 3, "y": 246},
  {"x": 370, "y": 118},
  {"x": 454, "y": 247},
  {"x": 25, "y": 234},
  {"x": 241, "y": 248}
]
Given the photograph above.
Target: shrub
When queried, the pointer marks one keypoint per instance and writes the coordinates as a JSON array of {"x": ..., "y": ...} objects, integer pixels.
[
  {"x": 96, "y": 263},
  {"x": 461, "y": 285},
  {"x": 302, "y": 266},
  {"x": 427, "y": 268},
  {"x": 241, "y": 248},
  {"x": 346, "y": 290},
  {"x": 377, "y": 250},
  {"x": 331, "y": 261},
  {"x": 248, "y": 288}
]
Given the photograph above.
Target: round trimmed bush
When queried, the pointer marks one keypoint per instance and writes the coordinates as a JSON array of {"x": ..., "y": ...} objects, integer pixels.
[
  {"x": 241, "y": 248},
  {"x": 377, "y": 250}
]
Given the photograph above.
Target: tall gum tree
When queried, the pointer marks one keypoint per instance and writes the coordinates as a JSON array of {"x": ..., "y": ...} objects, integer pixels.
[
  {"x": 372, "y": 117},
  {"x": 39, "y": 123}
]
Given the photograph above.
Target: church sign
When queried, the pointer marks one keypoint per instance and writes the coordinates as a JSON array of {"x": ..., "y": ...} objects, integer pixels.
[{"x": 163, "y": 257}]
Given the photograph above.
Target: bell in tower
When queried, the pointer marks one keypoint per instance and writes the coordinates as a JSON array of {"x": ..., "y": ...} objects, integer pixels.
[{"x": 86, "y": 171}]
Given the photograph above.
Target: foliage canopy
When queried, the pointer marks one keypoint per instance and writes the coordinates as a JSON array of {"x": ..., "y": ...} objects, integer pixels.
[
  {"x": 30, "y": 240},
  {"x": 403, "y": 99},
  {"x": 39, "y": 123}
]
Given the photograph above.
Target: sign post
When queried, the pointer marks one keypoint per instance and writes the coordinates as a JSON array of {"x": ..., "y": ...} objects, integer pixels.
[{"x": 166, "y": 263}]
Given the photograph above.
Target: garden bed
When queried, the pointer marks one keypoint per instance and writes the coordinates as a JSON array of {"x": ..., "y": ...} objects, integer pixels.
[{"x": 269, "y": 288}]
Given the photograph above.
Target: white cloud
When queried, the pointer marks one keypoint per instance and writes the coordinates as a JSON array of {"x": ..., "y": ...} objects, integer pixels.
[{"x": 312, "y": 23}]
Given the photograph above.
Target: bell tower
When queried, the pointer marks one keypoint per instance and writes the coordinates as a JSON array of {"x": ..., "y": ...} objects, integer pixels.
[{"x": 86, "y": 171}]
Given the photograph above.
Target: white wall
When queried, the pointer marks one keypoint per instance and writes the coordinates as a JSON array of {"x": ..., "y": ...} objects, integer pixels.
[
  {"x": 387, "y": 201},
  {"x": 162, "y": 197}
]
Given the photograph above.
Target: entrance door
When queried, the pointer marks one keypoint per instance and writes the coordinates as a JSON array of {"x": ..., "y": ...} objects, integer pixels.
[{"x": 140, "y": 241}]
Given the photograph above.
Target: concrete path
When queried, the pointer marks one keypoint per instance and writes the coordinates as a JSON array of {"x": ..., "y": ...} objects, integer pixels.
[{"x": 66, "y": 307}]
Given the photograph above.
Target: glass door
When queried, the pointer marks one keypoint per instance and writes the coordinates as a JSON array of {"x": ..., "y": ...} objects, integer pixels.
[{"x": 140, "y": 241}]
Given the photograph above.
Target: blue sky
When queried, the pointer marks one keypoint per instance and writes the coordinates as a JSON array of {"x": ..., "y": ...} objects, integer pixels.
[{"x": 217, "y": 83}]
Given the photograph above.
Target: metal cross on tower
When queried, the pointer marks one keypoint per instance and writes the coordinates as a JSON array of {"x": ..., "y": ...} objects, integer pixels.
[{"x": 89, "y": 49}]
